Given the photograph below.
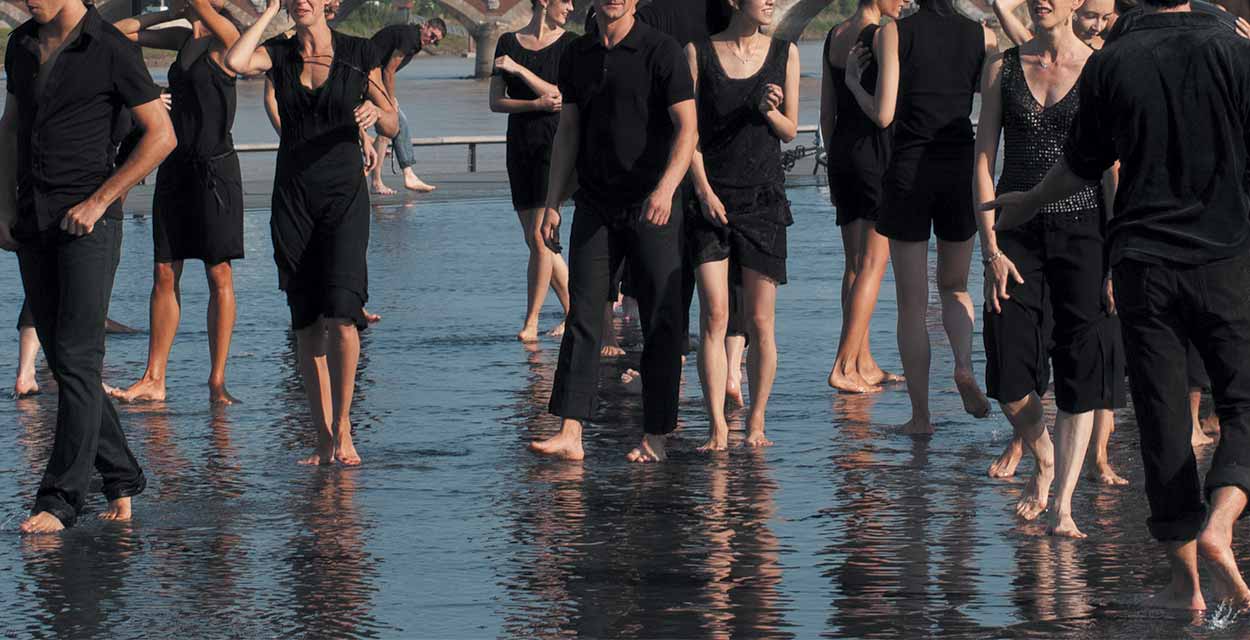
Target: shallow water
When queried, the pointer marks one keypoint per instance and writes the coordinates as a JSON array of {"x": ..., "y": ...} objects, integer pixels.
[{"x": 452, "y": 529}]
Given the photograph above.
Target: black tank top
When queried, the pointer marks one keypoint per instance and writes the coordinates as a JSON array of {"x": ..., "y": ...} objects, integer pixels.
[
  {"x": 853, "y": 123},
  {"x": 940, "y": 55},
  {"x": 203, "y": 106},
  {"x": 1033, "y": 137},
  {"x": 739, "y": 148},
  {"x": 532, "y": 127}
]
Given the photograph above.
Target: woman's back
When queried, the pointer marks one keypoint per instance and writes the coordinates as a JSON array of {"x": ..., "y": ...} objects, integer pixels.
[
  {"x": 852, "y": 122},
  {"x": 940, "y": 56}
]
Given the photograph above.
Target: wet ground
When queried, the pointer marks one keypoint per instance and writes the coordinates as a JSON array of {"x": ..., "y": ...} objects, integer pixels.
[{"x": 451, "y": 529}]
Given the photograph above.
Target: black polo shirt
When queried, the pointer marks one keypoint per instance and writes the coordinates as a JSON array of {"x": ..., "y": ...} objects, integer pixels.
[
  {"x": 65, "y": 137},
  {"x": 1170, "y": 99},
  {"x": 623, "y": 95},
  {"x": 404, "y": 39}
]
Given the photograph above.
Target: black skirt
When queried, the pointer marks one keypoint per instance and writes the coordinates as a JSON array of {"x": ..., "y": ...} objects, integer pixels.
[
  {"x": 755, "y": 237},
  {"x": 198, "y": 209}
]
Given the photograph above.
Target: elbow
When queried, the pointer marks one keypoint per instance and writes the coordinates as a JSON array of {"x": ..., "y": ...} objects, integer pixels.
[
  {"x": 496, "y": 107},
  {"x": 789, "y": 135},
  {"x": 236, "y": 62},
  {"x": 883, "y": 121}
]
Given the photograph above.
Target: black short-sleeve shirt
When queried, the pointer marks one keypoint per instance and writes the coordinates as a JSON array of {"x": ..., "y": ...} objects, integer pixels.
[
  {"x": 623, "y": 95},
  {"x": 404, "y": 39},
  {"x": 66, "y": 137}
]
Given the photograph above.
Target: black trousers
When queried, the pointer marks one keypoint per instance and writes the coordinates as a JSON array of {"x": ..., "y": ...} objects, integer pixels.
[
  {"x": 601, "y": 237},
  {"x": 1163, "y": 308},
  {"x": 68, "y": 281}
]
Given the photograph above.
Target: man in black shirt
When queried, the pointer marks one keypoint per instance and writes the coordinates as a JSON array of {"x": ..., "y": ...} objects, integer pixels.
[
  {"x": 1170, "y": 99},
  {"x": 396, "y": 45},
  {"x": 628, "y": 127},
  {"x": 69, "y": 74}
]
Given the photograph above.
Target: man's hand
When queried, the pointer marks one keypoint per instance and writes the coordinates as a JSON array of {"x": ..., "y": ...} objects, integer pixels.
[
  {"x": 80, "y": 220},
  {"x": 370, "y": 152},
  {"x": 551, "y": 229},
  {"x": 1014, "y": 209},
  {"x": 366, "y": 115},
  {"x": 859, "y": 59},
  {"x": 658, "y": 208}
]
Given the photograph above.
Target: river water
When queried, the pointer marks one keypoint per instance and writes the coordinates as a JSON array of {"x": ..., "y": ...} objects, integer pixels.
[{"x": 451, "y": 529}]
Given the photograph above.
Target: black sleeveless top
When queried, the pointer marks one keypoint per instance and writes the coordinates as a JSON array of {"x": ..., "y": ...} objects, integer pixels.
[
  {"x": 940, "y": 56},
  {"x": 1034, "y": 136},
  {"x": 203, "y": 106},
  {"x": 853, "y": 123},
  {"x": 739, "y": 148},
  {"x": 532, "y": 127},
  {"x": 318, "y": 125}
]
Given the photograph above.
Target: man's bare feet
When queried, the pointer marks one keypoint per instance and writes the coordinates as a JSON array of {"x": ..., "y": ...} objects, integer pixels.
[
  {"x": 145, "y": 390},
  {"x": 1102, "y": 473},
  {"x": 975, "y": 402},
  {"x": 1211, "y": 423},
  {"x": 217, "y": 394},
  {"x": 876, "y": 376},
  {"x": 1062, "y": 526},
  {"x": 118, "y": 509},
  {"x": 413, "y": 183},
  {"x": 1174, "y": 597},
  {"x": 528, "y": 333},
  {"x": 611, "y": 351},
  {"x": 651, "y": 449},
  {"x": 1215, "y": 545},
  {"x": 566, "y": 445},
  {"x": 717, "y": 439},
  {"x": 25, "y": 386},
  {"x": 557, "y": 332},
  {"x": 381, "y": 189},
  {"x": 849, "y": 381},
  {"x": 916, "y": 427},
  {"x": 1008, "y": 460},
  {"x": 1036, "y": 495},
  {"x": 632, "y": 381},
  {"x": 42, "y": 522}
]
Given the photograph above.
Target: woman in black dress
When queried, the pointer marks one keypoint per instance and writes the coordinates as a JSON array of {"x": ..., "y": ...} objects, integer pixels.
[
  {"x": 328, "y": 91},
  {"x": 524, "y": 87},
  {"x": 858, "y": 153},
  {"x": 197, "y": 210},
  {"x": 930, "y": 63},
  {"x": 747, "y": 93}
]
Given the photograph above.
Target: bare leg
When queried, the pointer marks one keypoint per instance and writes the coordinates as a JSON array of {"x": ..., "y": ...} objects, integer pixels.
[
  {"x": 1215, "y": 544},
  {"x": 221, "y": 315},
  {"x": 1025, "y": 416},
  {"x": 379, "y": 144},
  {"x": 538, "y": 276},
  {"x": 953, "y": 262},
  {"x": 1072, "y": 433},
  {"x": 713, "y": 278},
  {"x": 610, "y": 347},
  {"x": 735, "y": 349},
  {"x": 761, "y": 294},
  {"x": 1198, "y": 437},
  {"x": 413, "y": 183},
  {"x": 911, "y": 278},
  {"x": 1183, "y": 592},
  {"x": 164, "y": 315},
  {"x": 1100, "y": 470},
  {"x": 28, "y": 350},
  {"x": 559, "y": 277},
  {"x": 316, "y": 374},
  {"x": 342, "y": 356},
  {"x": 861, "y": 283},
  {"x": 566, "y": 445}
]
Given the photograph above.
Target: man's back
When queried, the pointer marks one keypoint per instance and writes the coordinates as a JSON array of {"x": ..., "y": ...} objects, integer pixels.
[{"x": 1171, "y": 100}]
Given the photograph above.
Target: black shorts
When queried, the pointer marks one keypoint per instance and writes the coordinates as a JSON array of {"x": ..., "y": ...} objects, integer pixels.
[
  {"x": 855, "y": 178},
  {"x": 1056, "y": 316},
  {"x": 755, "y": 238},
  {"x": 929, "y": 187},
  {"x": 528, "y": 167}
]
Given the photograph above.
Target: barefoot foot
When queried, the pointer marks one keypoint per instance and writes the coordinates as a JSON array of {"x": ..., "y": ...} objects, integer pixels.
[
  {"x": 413, "y": 183},
  {"x": 324, "y": 455},
  {"x": 25, "y": 386},
  {"x": 42, "y": 522},
  {"x": 611, "y": 351},
  {"x": 1062, "y": 526},
  {"x": 733, "y": 393},
  {"x": 528, "y": 333},
  {"x": 1036, "y": 496},
  {"x": 756, "y": 438},
  {"x": 916, "y": 427},
  {"x": 145, "y": 390},
  {"x": 217, "y": 394},
  {"x": 1008, "y": 460},
  {"x": 563, "y": 446},
  {"x": 1215, "y": 546},
  {"x": 118, "y": 510},
  {"x": 371, "y": 318},
  {"x": 975, "y": 402},
  {"x": 717, "y": 440},
  {"x": 877, "y": 376},
  {"x": 650, "y": 450},
  {"x": 1102, "y": 473},
  {"x": 1174, "y": 597},
  {"x": 1198, "y": 437},
  {"x": 849, "y": 381},
  {"x": 557, "y": 332},
  {"x": 632, "y": 380},
  {"x": 381, "y": 189}
]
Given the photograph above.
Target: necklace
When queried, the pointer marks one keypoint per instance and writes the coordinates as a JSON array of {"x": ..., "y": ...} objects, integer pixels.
[{"x": 735, "y": 53}]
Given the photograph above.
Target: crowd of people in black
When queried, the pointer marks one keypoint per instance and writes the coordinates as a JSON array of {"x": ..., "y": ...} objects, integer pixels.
[{"x": 1115, "y": 239}]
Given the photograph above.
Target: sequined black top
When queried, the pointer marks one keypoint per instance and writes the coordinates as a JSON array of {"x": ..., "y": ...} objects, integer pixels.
[{"x": 1033, "y": 138}]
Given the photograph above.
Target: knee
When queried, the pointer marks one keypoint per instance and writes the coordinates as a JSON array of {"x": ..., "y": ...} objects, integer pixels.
[
  {"x": 220, "y": 279},
  {"x": 716, "y": 320},
  {"x": 952, "y": 283},
  {"x": 874, "y": 262},
  {"x": 761, "y": 326},
  {"x": 1023, "y": 409},
  {"x": 164, "y": 277}
]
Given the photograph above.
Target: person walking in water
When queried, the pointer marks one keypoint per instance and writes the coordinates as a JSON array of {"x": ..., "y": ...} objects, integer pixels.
[
  {"x": 328, "y": 91},
  {"x": 1169, "y": 97},
  {"x": 1045, "y": 283},
  {"x": 747, "y": 96},
  {"x": 527, "y": 66},
  {"x": 69, "y": 73},
  {"x": 396, "y": 45},
  {"x": 197, "y": 210},
  {"x": 930, "y": 63},
  {"x": 628, "y": 125},
  {"x": 861, "y": 153}
]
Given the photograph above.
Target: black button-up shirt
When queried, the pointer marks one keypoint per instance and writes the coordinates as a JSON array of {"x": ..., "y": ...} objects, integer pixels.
[
  {"x": 65, "y": 135},
  {"x": 1170, "y": 99},
  {"x": 623, "y": 95}
]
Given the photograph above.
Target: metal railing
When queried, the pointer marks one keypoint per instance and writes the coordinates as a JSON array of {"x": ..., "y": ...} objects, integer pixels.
[{"x": 472, "y": 142}]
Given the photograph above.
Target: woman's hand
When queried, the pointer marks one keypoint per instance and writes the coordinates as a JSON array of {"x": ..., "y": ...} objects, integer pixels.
[
  {"x": 366, "y": 114},
  {"x": 858, "y": 60},
  {"x": 552, "y": 102},
  {"x": 551, "y": 229},
  {"x": 713, "y": 209},
  {"x": 999, "y": 272},
  {"x": 370, "y": 152},
  {"x": 505, "y": 64},
  {"x": 772, "y": 98}
]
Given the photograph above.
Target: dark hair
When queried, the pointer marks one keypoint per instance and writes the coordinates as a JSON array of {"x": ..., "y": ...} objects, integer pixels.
[
  {"x": 943, "y": 7},
  {"x": 866, "y": 3},
  {"x": 1124, "y": 6},
  {"x": 437, "y": 23},
  {"x": 1165, "y": 4}
]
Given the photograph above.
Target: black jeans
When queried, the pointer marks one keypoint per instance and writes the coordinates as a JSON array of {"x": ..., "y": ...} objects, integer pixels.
[
  {"x": 601, "y": 237},
  {"x": 68, "y": 281},
  {"x": 1162, "y": 309}
]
